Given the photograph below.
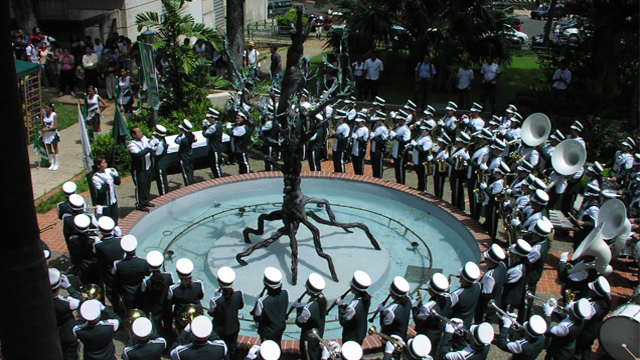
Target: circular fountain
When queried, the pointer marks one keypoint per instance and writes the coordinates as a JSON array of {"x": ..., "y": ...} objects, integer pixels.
[{"x": 418, "y": 236}]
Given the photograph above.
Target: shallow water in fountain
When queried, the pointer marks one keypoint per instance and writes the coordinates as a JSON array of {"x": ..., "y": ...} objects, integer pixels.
[{"x": 416, "y": 239}]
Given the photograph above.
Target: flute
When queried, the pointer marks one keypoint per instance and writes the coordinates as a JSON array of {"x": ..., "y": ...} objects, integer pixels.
[{"x": 336, "y": 301}]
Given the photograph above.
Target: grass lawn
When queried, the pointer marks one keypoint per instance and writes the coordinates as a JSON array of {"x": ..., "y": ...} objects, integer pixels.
[
  {"x": 67, "y": 114},
  {"x": 397, "y": 81}
]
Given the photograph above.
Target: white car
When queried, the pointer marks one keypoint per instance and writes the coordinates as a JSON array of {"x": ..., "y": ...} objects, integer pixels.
[{"x": 515, "y": 36}]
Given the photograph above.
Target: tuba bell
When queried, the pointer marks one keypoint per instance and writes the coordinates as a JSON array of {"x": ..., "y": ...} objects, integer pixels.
[
  {"x": 568, "y": 158},
  {"x": 611, "y": 221},
  {"x": 91, "y": 292},
  {"x": 189, "y": 312},
  {"x": 133, "y": 315},
  {"x": 535, "y": 129}
]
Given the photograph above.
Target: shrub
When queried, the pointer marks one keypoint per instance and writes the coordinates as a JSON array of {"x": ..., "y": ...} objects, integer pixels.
[{"x": 117, "y": 156}]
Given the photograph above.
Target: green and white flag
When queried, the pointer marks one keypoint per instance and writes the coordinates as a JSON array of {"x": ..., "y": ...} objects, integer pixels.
[
  {"x": 119, "y": 130},
  {"x": 150, "y": 74},
  {"x": 39, "y": 148},
  {"x": 85, "y": 145}
]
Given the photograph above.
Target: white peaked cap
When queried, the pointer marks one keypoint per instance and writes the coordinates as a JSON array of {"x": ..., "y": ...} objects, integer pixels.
[
  {"x": 315, "y": 283},
  {"x": 106, "y": 224},
  {"x": 129, "y": 243},
  {"x": 142, "y": 327},
  {"x": 81, "y": 221},
  {"x": 439, "y": 283},
  {"x": 470, "y": 271},
  {"x": 269, "y": 350},
  {"x": 226, "y": 276},
  {"x": 272, "y": 277},
  {"x": 76, "y": 201},
  {"x": 201, "y": 327},
  {"x": 536, "y": 325},
  {"x": 155, "y": 259},
  {"x": 400, "y": 286},
  {"x": 54, "y": 278},
  {"x": 419, "y": 346},
  {"x": 184, "y": 267},
  {"x": 483, "y": 333},
  {"x": 361, "y": 280},
  {"x": 351, "y": 350},
  {"x": 69, "y": 188},
  {"x": 90, "y": 310}
]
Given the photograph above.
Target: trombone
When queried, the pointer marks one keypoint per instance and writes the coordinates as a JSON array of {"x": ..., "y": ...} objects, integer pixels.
[
  {"x": 396, "y": 343},
  {"x": 515, "y": 325},
  {"x": 333, "y": 354},
  {"x": 530, "y": 295}
]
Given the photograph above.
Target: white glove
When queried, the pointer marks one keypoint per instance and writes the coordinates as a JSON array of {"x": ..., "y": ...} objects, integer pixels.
[
  {"x": 413, "y": 143},
  {"x": 253, "y": 352},
  {"x": 354, "y": 136},
  {"x": 507, "y": 321},
  {"x": 117, "y": 231},
  {"x": 515, "y": 222},
  {"x": 509, "y": 191},
  {"x": 154, "y": 142},
  {"x": 64, "y": 282},
  {"x": 389, "y": 347},
  {"x": 415, "y": 303},
  {"x": 484, "y": 167},
  {"x": 340, "y": 301},
  {"x": 381, "y": 307},
  {"x": 297, "y": 304},
  {"x": 483, "y": 185},
  {"x": 206, "y": 123},
  {"x": 229, "y": 125},
  {"x": 114, "y": 172},
  {"x": 549, "y": 307},
  {"x": 325, "y": 352},
  {"x": 564, "y": 257},
  {"x": 430, "y": 158},
  {"x": 453, "y": 325},
  {"x": 392, "y": 134}
]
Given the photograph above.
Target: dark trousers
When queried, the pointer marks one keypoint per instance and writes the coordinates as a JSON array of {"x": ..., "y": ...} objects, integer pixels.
[
  {"x": 314, "y": 160},
  {"x": 67, "y": 80},
  {"x": 338, "y": 161},
  {"x": 272, "y": 153},
  {"x": 438, "y": 183},
  {"x": 186, "y": 166},
  {"x": 243, "y": 163},
  {"x": 161, "y": 181},
  {"x": 421, "y": 92},
  {"x": 376, "y": 164},
  {"x": 475, "y": 207},
  {"x": 111, "y": 211},
  {"x": 488, "y": 91},
  {"x": 142, "y": 181},
  {"x": 358, "y": 165},
  {"x": 70, "y": 350},
  {"x": 231, "y": 341},
  {"x": 371, "y": 89},
  {"x": 215, "y": 159},
  {"x": 463, "y": 98},
  {"x": 456, "y": 182},
  {"x": 400, "y": 167},
  {"x": 422, "y": 178}
]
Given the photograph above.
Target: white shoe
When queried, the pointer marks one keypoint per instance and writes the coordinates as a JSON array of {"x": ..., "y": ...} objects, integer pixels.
[
  {"x": 51, "y": 163},
  {"x": 56, "y": 162}
]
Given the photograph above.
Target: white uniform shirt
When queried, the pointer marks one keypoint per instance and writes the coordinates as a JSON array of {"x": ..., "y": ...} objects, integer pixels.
[
  {"x": 359, "y": 132},
  {"x": 403, "y": 132},
  {"x": 424, "y": 143}
]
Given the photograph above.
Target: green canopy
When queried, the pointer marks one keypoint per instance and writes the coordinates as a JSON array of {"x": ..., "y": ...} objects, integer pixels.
[{"x": 24, "y": 68}]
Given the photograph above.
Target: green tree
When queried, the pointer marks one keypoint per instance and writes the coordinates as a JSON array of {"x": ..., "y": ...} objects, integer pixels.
[{"x": 179, "y": 86}]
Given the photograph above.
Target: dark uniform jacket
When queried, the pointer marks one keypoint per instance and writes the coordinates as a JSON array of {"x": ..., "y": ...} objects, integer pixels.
[
  {"x": 273, "y": 315},
  {"x": 214, "y": 138},
  {"x": 97, "y": 339},
  {"x": 64, "y": 307},
  {"x": 429, "y": 325},
  {"x": 394, "y": 319},
  {"x": 160, "y": 160},
  {"x": 465, "y": 306},
  {"x": 224, "y": 312},
  {"x": 108, "y": 251},
  {"x": 311, "y": 316},
  {"x": 150, "y": 350},
  {"x": 154, "y": 301},
  {"x": 353, "y": 319},
  {"x": 468, "y": 353},
  {"x": 522, "y": 349},
  {"x": 209, "y": 350},
  {"x": 128, "y": 274},
  {"x": 181, "y": 295},
  {"x": 562, "y": 345}
]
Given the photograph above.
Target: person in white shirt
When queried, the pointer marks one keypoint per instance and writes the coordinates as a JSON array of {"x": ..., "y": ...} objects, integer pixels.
[
  {"x": 401, "y": 139},
  {"x": 251, "y": 58},
  {"x": 490, "y": 73},
  {"x": 360, "y": 136},
  {"x": 562, "y": 77},
  {"x": 340, "y": 137},
  {"x": 465, "y": 76},
  {"x": 372, "y": 69},
  {"x": 424, "y": 73}
]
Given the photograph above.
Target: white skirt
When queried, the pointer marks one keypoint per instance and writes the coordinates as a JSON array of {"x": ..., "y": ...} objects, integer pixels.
[{"x": 51, "y": 137}]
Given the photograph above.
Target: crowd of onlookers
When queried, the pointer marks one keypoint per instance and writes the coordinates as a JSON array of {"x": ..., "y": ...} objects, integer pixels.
[{"x": 76, "y": 63}]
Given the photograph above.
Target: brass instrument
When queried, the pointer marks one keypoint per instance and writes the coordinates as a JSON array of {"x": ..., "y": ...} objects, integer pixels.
[
  {"x": 530, "y": 295},
  {"x": 333, "y": 354},
  {"x": 132, "y": 316},
  {"x": 458, "y": 163},
  {"x": 443, "y": 166},
  {"x": 91, "y": 292},
  {"x": 429, "y": 166},
  {"x": 396, "y": 343},
  {"x": 189, "y": 312},
  {"x": 515, "y": 326},
  {"x": 459, "y": 331}
]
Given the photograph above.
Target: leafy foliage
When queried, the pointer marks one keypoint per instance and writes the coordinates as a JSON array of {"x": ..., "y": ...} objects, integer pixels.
[
  {"x": 288, "y": 19},
  {"x": 104, "y": 146}
]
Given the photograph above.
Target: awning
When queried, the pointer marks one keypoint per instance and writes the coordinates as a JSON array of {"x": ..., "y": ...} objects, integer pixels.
[{"x": 24, "y": 68}]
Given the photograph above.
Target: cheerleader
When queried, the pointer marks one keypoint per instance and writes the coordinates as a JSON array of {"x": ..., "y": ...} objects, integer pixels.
[
  {"x": 126, "y": 97},
  {"x": 50, "y": 135},
  {"x": 94, "y": 114}
]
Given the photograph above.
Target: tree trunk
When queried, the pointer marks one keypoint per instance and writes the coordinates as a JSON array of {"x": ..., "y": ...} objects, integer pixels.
[
  {"x": 547, "y": 25},
  {"x": 28, "y": 328},
  {"x": 25, "y": 14},
  {"x": 235, "y": 35}
]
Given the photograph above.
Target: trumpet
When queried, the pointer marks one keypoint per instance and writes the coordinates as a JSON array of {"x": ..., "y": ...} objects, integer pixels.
[
  {"x": 333, "y": 354},
  {"x": 458, "y": 331},
  {"x": 529, "y": 295},
  {"x": 515, "y": 326},
  {"x": 459, "y": 163},
  {"x": 396, "y": 343}
]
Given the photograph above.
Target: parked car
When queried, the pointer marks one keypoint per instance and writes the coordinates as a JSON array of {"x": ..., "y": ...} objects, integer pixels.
[
  {"x": 544, "y": 11},
  {"x": 507, "y": 7},
  {"x": 514, "y": 36}
]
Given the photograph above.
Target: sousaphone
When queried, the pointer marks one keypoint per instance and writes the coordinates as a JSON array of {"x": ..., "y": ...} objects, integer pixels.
[
  {"x": 536, "y": 129},
  {"x": 567, "y": 159}
]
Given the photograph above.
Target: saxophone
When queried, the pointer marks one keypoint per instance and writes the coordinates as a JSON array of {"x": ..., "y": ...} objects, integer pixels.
[
  {"x": 459, "y": 163},
  {"x": 429, "y": 166}
]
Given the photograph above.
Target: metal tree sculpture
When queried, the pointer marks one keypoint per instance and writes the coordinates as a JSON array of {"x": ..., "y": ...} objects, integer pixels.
[{"x": 296, "y": 127}]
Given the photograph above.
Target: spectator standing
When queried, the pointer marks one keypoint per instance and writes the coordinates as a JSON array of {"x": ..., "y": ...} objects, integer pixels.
[
  {"x": 77, "y": 49},
  {"x": 358, "y": 75},
  {"x": 53, "y": 63},
  {"x": 126, "y": 92},
  {"x": 562, "y": 77},
  {"x": 110, "y": 65},
  {"x": 424, "y": 73},
  {"x": 252, "y": 58},
  {"x": 98, "y": 49},
  {"x": 67, "y": 72},
  {"x": 20, "y": 43},
  {"x": 124, "y": 47},
  {"x": 33, "y": 52},
  {"x": 465, "y": 76},
  {"x": 490, "y": 72},
  {"x": 372, "y": 69},
  {"x": 43, "y": 58},
  {"x": 90, "y": 65},
  {"x": 276, "y": 66}
]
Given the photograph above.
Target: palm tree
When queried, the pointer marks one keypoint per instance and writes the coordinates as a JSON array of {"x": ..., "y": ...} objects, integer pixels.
[{"x": 170, "y": 27}]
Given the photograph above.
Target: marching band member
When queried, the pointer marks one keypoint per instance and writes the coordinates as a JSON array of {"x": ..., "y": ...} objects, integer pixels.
[
  {"x": 491, "y": 201},
  {"x": 440, "y": 159},
  {"x": 622, "y": 165},
  {"x": 394, "y": 317},
  {"x": 422, "y": 148},
  {"x": 600, "y": 300},
  {"x": 159, "y": 151},
  {"x": 360, "y": 136},
  {"x": 196, "y": 342},
  {"x": 416, "y": 348},
  {"x": 270, "y": 141},
  {"x": 340, "y": 137},
  {"x": 530, "y": 345},
  {"x": 492, "y": 283},
  {"x": 212, "y": 131},
  {"x": 537, "y": 208},
  {"x": 477, "y": 166},
  {"x": 129, "y": 273},
  {"x": 379, "y": 140},
  {"x": 588, "y": 214},
  {"x": 516, "y": 279},
  {"x": 64, "y": 306},
  {"x": 401, "y": 137},
  {"x": 68, "y": 188},
  {"x": 410, "y": 108},
  {"x": 479, "y": 342},
  {"x": 574, "y": 186},
  {"x": 223, "y": 309},
  {"x": 474, "y": 123},
  {"x": 547, "y": 150},
  {"x": 270, "y": 310},
  {"x": 594, "y": 174},
  {"x": 574, "y": 132},
  {"x": 240, "y": 138},
  {"x": 563, "y": 336},
  {"x": 268, "y": 350},
  {"x": 81, "y": 250},
  {"x": 439, "y": 302},
  {"x": 108, "y": 251},
  {"x": 449, "y": 122},
  {"x": 95, "y": 334},
  {"x": 537, "y": 258},
  {"x": 465, "y": 299},
  {"x": 188, "y": 291},
  {"x": 311, "y": 316},
  {"x": 353, "y": 315},
  {"x": 145, "y": 345},
  {"x": 522, "y": 172},
  {"x": 495, "y": 154},
  {"x": 317, "y": 145},
  {"x": 154, "y": 291},
  {"x": 458, "y": 174},
  {"x": 505, "y": 120},
  {"x": 185, "y": 141}
]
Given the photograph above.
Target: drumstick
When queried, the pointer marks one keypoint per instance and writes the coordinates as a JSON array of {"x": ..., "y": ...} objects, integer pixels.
[{"x": 624, "y": 346}]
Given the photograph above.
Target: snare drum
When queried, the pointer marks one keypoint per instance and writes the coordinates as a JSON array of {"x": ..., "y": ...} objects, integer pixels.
[{"x": 620, "y": 329}]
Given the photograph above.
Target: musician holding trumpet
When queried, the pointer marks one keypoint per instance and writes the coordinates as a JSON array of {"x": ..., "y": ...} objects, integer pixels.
[
  {"x": 311, "y": 316},
  {"x": 224, "y": 308},
  {"x": 532, "y": 342}
]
